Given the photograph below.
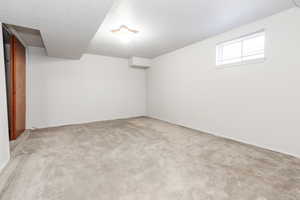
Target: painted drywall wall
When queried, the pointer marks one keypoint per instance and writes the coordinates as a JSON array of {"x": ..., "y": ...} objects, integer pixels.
[
  {"x": 4, "y": 141},
  {"x": 93, "y": 88},
  {"x": 256, "y": 104}
]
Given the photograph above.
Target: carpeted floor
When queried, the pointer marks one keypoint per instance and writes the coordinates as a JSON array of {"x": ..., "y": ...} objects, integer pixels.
[{"x": 144, "y": 159}]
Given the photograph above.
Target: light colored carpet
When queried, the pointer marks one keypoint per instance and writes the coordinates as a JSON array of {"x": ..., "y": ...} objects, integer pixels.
[{"x": 144, "y": 159}]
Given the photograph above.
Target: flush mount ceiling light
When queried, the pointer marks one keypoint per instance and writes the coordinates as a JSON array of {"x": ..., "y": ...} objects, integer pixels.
[{"x": 124, "y": 33}]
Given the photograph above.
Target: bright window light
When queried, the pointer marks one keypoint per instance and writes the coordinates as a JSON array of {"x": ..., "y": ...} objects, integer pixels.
[{"x": 241, "y": 50}]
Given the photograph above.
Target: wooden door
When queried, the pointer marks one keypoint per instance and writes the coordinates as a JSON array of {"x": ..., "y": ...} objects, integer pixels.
[{"x": 18, "y": 89}]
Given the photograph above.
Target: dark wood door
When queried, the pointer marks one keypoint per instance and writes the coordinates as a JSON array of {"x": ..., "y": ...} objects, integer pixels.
[{"x": 18, "y": 89}]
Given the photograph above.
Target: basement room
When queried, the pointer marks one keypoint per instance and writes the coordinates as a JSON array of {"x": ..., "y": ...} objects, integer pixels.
[{"x": 150, "y": 100}]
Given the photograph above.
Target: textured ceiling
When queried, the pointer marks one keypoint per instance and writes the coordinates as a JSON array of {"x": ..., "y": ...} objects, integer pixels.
[{"x": 166, "y": 25}]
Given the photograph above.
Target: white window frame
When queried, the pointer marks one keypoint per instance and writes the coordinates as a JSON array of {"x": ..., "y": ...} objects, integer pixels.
[{"x": 241, "y": 38}]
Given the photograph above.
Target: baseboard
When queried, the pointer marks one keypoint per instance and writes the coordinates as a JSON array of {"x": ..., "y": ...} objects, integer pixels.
[
  {"x": 3, "y": 165},
  {"x": 227, "y": 137},
  {"x": 83, "y": 122}
]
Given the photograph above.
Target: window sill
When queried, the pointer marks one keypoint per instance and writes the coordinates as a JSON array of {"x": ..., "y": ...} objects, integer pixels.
[{"x": 247, "y": 62}]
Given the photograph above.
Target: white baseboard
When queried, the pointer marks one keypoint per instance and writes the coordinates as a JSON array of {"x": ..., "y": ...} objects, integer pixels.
[
  {"x": 3, "y": 165},
  {"x": 227, "y": 137}
]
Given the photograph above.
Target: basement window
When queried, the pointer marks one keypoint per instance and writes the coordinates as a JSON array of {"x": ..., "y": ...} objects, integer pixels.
[{"x": 243, "y": 50}]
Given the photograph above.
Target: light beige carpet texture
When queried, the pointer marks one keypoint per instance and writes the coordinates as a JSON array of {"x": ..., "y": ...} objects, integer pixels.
[{"x": 144, "y": 159}]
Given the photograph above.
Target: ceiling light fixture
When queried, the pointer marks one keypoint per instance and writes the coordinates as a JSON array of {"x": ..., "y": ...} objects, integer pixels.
[{"x": 124, "y": 33}]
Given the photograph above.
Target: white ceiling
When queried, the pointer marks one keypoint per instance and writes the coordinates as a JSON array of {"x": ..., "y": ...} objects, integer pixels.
[
  {"x": 66, "y": 26},
  {"x": 166, "y": 25}
]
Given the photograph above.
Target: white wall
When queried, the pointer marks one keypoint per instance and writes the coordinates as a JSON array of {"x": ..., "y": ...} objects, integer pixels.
[
  {"x": 4, "y": 141},
  {"x": 257, "y": 104},
  {"x": 93, "y": 88}
]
